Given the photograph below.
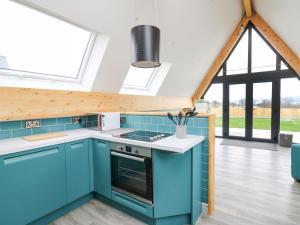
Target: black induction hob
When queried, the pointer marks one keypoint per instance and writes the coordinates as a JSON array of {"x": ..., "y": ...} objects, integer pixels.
[{"x": 147, "y": 136}]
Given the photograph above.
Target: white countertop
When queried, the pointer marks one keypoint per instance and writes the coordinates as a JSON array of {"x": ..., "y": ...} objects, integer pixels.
[{"x": 171, "y": 144}]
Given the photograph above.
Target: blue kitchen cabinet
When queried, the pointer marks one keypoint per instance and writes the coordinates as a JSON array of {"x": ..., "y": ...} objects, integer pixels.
[
  {"x": 78, "y": 169},
  {"x": 196, "y": 184},
  {"x": 171, "y": 183},
  {"x": 102, "y": 174},
  {"x": 32, "y": 184}
]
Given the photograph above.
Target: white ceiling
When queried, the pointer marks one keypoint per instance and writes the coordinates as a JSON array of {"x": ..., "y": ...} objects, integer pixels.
[
  {"x": 284, "y": 17},
  {"x": 192, "y": 34}
]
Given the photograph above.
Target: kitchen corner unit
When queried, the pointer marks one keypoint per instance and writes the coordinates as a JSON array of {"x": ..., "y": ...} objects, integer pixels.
[{"x": 40, "y": 184}]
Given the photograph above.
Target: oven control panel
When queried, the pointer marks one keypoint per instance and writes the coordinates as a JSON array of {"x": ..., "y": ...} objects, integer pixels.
[{"x": 131, "y": 149}]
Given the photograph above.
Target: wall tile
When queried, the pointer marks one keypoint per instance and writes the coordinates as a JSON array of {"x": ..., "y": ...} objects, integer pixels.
[
  {"x": 73, "y": 126},
  {"x": 64, "y": 120},
  {"x": 40, "y": 130},
  {"x": 92, "y": 118},
  {"x": 139, "y": 126},
  {"x": 57, "y": 128},
  {"x": 194, "y": 131},
  {"x": 157, "y": 120},
  {"x": 5, "y": 134},
  {"x": 10, "y": 125},
  {"x": 21, "y": 132},
  {"x": 151, "y": 127},
  {"x": 201, "y": 122},
  {"x": 164, "y": 129},
  {"x": 17, "y": 128},
  {"x": 48, "y": 122},
  {"x": 167, "y": 121},
  {"x": 145, "y": 119}
]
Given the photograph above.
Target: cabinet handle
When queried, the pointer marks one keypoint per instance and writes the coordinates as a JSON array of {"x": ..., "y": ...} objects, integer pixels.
[
  {"x": 128, "y": 156},
  {"x": 17, "y": 159}
]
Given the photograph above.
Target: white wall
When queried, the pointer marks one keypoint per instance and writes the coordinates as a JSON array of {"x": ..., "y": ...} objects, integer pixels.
[{"x": 284, "y": 18}]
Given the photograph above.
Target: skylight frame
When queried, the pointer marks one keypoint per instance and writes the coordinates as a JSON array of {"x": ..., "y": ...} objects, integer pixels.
[
  {"x": 11, "y": 73},
  {"x": 152, "y": 76},
  {"x": 154, "y": 84}
]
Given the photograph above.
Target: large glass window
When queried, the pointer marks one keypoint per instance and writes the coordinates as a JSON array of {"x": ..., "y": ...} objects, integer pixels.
[
  {"x": 263, "y": 57},
  {"x": 237, "y": 63},
  {"x": 214, "y": 97},
  {"x": 251, "y": 96},
  {"x": 35, "y": 44},
  {"x": 290, "y": 107}
]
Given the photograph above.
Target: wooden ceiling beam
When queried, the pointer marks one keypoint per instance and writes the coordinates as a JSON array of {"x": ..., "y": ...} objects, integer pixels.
[
  {"x": 277, "y": 43},
  {"x": 248, "y": 8},
  {"x": 220, "y": 59}
]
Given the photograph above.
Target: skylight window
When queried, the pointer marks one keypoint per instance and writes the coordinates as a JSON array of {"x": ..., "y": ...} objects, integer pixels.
[
  {"x": 33, "y": 44},
  {"x": 145, "y": 81},
  {"x": 139, "y": 77}
]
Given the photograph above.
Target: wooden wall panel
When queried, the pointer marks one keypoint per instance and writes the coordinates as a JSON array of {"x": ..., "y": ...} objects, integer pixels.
[{"x": 20, "y": 103}]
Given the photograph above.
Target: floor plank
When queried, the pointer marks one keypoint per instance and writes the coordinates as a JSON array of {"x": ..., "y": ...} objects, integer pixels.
[{"x": 253, "y": 187}]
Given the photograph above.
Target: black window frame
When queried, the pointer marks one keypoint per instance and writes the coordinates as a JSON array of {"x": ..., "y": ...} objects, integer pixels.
[{"x": 249, "y": 79}]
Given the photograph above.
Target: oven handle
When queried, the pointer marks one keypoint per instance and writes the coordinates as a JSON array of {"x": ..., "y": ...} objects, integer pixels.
[{"x": 127, "y": 156}]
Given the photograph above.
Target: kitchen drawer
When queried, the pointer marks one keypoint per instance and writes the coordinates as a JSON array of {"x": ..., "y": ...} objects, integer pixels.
[{"x": 133, "y": 204}]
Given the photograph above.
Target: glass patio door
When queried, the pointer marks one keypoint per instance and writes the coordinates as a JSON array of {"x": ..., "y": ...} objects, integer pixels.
[
  {"x": 250, "y": 111},
  {"x": 262, "y": 111},
  {"x": 237, "y": 112}
]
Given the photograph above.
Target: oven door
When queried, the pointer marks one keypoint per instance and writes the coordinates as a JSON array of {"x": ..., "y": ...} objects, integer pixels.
[{"x": 132, "y": 176}]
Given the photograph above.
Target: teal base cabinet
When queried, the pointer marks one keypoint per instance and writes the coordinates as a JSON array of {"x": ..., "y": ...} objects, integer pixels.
[
  {"x": 177, "y": 187},
  {"x": 196, "y": 209},
  {"x": 40, "y": 185},
  {"x": 46, "y": 220},
  {"x": 102, "y": 177},
  {"x": 171, "y": 183},
  {"x": 78, "y": 169},
  {"x": 32, "y": 184},
  {"x": 295, "y": 161}
]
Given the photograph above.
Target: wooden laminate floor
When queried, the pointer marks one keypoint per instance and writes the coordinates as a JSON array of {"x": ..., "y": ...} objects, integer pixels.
[{"x": 253, "y": 187}]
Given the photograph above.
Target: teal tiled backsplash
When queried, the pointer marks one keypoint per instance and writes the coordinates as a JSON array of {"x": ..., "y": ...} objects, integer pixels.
[
  {"x": 196, "y": 126},
  {"x": 12, "y": 129}
]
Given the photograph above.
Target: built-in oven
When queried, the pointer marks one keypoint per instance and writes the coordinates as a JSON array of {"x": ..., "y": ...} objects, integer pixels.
[{"x": 131, "y": 171}]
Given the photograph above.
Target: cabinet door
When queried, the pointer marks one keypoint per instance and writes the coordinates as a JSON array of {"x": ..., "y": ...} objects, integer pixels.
[
  {"x": 102, "y": 177},
  {"x": 196, "y": 184},
  {"x": 32, "y": 184},
  {"x": 78, "y": 169},
  {"x": 171, "y": 183}
]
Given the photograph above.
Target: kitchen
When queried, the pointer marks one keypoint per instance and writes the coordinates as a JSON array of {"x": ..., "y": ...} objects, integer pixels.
[{"x": 145, "y": 112}]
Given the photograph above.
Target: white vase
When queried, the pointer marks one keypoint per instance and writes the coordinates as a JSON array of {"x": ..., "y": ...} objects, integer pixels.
[{"x": 181, "y": 131}]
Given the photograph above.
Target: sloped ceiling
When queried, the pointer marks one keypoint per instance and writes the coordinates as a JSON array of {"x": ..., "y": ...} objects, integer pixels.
[
  {"x": 284, "y": 17},
  {"x": 192, "y": 34}
]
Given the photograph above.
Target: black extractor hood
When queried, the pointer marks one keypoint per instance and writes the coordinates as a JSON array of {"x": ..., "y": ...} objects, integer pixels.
[{"x": 145, "y": 41}]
